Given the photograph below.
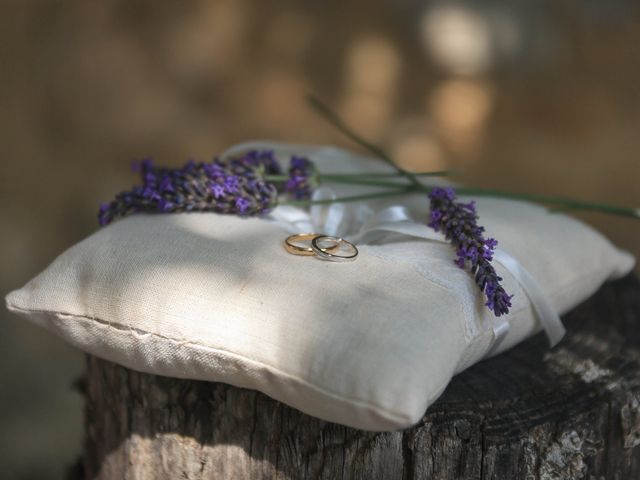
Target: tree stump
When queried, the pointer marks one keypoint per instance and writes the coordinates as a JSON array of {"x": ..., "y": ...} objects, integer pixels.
[{"x": 573, "y": 412}]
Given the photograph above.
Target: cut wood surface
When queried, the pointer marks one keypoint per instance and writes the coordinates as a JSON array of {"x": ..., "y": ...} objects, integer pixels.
[{"x": 568, "y": 413}]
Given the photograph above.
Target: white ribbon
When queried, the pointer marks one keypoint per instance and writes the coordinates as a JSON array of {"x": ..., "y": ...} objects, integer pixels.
[{"x": 361, "y": 225}]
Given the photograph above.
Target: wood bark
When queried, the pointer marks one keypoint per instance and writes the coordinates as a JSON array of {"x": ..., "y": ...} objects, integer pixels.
[{"x": 569, "y": 413}]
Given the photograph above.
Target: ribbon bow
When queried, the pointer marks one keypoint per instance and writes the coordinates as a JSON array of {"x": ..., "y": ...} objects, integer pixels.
[{"x": 364, "y": 226}]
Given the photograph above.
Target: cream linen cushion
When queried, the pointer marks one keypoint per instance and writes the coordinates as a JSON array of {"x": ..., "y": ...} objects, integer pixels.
[{"x": 369, "y": 344}]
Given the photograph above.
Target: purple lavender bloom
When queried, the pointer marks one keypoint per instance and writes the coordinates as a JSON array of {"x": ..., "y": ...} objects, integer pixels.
[
  {"x": 235, "y": 186},
  {"x": 166, "y": 185},
  {"x": 263, "y": 159},
  {"x": 151, "y": 193},
  {"x": 243, "y": 205},
  {"x": 232, "y": 184},
  {"x": 165, "y": 205},
  {"x": 142, "y": 166},
  {"x": 302, "y": 178},
  {"x": 190, "y": 166},
  {"x": 217, "y": 190},
  {"x": 458, "y": 222},
  {"x": 104, "y": 213}
]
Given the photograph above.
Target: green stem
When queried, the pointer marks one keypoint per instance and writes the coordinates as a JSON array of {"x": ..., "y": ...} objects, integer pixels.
[
  {"x": 416, "y": 186},
  {"x": 435, "y": 173},
  {"x": 337, "y": 122},
  {"x": 372, "y": 182},
  {"x": 340, "y": 177},
  {"x": 563, "y": 202},
  {"x": 399, "y": 190},
  {"x": 349, "y": 180}
]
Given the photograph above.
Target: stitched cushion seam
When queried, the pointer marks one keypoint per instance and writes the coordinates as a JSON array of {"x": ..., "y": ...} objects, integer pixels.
[{"x": 393, "y": 415}]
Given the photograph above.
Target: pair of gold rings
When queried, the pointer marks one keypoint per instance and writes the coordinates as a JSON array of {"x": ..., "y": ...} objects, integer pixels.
[{"x": 326, "y": 247}]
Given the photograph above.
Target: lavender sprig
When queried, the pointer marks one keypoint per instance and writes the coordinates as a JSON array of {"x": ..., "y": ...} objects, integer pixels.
[
  {"x": 458, "y": 222},
  {"x": 235, "y": 186},
  {"x": 415, "y": 186},
  {"x": 303, "y": 178}
]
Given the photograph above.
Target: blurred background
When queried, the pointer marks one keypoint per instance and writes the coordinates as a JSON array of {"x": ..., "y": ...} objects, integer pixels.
[{"x": 532, "y": 95}]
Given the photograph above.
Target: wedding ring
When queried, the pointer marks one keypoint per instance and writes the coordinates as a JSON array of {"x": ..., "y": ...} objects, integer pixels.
[
  {"x": 325, "y": 253},
  {"x": 291, "y": 247}
]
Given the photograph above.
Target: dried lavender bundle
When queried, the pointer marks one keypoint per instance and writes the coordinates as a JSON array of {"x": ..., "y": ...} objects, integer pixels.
[
  {"x": 235, "y": 186},
  {"x": 458, "y": 222}
]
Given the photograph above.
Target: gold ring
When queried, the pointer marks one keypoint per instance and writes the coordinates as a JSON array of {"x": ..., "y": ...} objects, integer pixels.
[
  {"x": 294, "y": 249},
  {"x": 328, "y": 255}
]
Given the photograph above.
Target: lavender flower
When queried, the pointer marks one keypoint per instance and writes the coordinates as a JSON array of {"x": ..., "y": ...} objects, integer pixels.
[
  {"x": 235, "y": 186},
  {"x": 458, "y": 222},
  {"x": 264, "y": 160},
  {"x": 303, "y": 178}
]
